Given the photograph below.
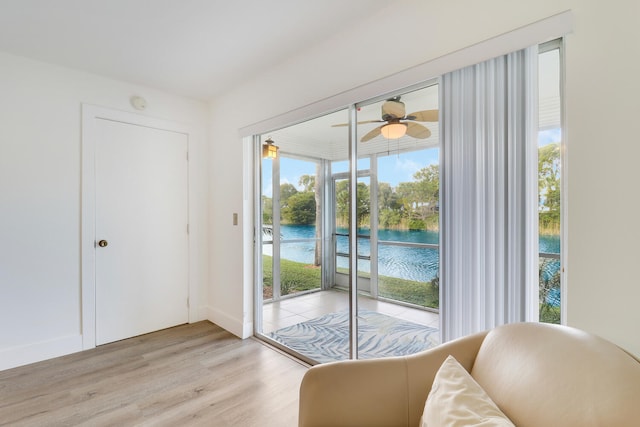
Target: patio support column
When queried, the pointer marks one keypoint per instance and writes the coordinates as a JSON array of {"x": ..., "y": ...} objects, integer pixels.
[
  {"x": 373, "y": 226},
  {"x": 327, "y": 209},
  {"x": 275, "y": 175},
  {"x": 353, "y": 234}
]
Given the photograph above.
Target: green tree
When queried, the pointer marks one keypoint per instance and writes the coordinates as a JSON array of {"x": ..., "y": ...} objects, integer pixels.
[
  {"x": 301, "y": 208},
  {"x": 342, "y": 202},
  {"x": 549, "y": 187},
  {"x": 307, "y": 182},
  {"x": 286, "y": 192},
  {"x": 419, "y": 199},
  {"x": 427, "y": 188},
  {"x": 385, "y": 195},
  {"x": 389, "y": 206},
  {"x": 267, "y": 210},
  {"x": 363, "y": 199},
  {"x": 408, "y": 197},
  {"x": 389, "y": 218}
]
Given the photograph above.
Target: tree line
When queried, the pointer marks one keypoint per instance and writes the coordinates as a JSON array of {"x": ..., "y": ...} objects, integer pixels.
[{"x": 409, "y": 205}]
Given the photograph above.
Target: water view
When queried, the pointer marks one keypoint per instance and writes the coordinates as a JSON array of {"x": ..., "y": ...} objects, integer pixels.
[{"x": 419, "y": 264}]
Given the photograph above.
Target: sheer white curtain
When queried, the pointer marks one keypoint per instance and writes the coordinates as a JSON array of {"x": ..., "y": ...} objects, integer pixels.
[{"x": 489, "y": 249}]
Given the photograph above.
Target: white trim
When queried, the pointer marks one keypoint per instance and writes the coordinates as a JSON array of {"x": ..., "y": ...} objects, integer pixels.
[
  {"x": 537, "y": 32},
  {"x": 31, "y": 353},
  {"x": 564, "y": 188},
  {"x": 89, "y": 114},
  {"x": 531, "y": 220},
  {"x": 249, "y": 236},
  {"x": 230, "y": 323}
]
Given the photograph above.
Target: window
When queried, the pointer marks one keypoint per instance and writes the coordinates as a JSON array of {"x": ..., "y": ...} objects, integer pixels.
[{"x": 549, "y": 181}]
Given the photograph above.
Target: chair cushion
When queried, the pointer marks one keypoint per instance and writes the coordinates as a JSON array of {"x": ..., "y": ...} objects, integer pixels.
[{"x": 456, "y": 399}]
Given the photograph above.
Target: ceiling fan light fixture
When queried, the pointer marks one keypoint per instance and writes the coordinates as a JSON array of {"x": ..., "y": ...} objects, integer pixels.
[
  {"x": 394, "y": 130},
  {"x": 269, "y": 149}
]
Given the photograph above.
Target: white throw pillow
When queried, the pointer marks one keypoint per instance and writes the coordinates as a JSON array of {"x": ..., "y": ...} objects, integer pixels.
[{"x": 457, "y": 400}]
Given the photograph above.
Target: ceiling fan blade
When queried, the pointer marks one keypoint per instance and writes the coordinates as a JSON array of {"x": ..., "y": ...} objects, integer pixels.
[
  {"x": 372, "y": 134},
  {"x": 424, "y": 116},
  {"x": 360, "y": 123},
  {"x": 417, "y": 130}
]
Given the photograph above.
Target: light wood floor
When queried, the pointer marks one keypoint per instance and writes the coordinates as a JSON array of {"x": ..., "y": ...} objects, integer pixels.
[{"x": 190, "y": 375}]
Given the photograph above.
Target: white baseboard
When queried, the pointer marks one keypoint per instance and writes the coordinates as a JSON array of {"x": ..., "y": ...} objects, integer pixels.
[
  {"x": 230, "y": 323},
  {"x": 203, "y": 314},
  {"x": 37, "y": 352},
  {"x": 247, "y": 330}
]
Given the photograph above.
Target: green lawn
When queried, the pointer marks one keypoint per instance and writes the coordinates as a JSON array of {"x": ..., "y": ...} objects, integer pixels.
[
  {"x": 549, "y": 314},
  {"x": 298, "y": 277},
  {"x": 294, "y": 277},
  {"x": 425, "y": 294}
]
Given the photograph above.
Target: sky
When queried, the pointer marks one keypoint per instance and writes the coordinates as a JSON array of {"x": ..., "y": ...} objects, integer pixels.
[{"x": 548, "y": 136}]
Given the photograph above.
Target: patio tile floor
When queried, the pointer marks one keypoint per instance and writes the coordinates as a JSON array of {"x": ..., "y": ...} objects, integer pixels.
[{"x": 293, "y": 310}]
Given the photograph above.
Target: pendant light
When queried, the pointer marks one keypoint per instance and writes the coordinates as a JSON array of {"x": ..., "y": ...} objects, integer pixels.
[{"x": 269, "y": 150}]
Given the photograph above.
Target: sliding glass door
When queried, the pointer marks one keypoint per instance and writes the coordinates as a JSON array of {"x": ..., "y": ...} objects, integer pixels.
[
  {"x": 344, "y": 270},
  {"x": 297, "y": 306},
  {"x": 398, "y": 227}
]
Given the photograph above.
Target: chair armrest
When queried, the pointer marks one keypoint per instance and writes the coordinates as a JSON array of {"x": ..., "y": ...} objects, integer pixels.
[
  {"x": 355, "y": 393},
  {"x": 381, "y": 392}
]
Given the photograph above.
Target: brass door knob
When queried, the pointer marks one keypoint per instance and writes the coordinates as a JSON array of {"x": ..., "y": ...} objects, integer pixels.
[{"x": 103, "y": 243}]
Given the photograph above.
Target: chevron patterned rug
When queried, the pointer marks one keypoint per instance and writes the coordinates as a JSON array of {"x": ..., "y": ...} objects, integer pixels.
[{"x": 326, "y": 338}]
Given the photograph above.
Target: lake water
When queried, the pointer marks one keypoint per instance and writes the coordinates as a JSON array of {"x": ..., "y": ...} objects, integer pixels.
[{"x": 418, "y": 264}]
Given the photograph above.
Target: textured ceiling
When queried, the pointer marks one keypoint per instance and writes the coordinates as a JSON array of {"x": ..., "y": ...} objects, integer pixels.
[
  {"x": 200, "y": 48},
  {"x": 196, "y": 48}
]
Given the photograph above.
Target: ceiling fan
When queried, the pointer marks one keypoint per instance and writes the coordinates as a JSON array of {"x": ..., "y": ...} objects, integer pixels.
[{"x": 397, "y": 123}]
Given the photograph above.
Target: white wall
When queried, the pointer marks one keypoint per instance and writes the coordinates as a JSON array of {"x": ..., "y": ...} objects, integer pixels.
[
  {"x": 601, "y": 96},
  {"x": 40, "y": 189},
  {"x": 603, "y": 87}
]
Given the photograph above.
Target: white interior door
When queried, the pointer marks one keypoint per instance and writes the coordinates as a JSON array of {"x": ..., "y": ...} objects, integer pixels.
[{"x": 141, "y": 190}]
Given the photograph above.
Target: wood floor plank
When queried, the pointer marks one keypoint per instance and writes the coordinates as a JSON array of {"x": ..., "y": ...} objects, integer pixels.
[{"x": 190, "y": 375}]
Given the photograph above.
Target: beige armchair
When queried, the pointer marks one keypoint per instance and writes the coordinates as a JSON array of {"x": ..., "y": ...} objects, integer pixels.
[{"x": 537, "y": 374}]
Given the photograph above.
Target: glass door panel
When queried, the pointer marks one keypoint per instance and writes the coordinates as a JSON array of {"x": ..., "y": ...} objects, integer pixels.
[
  {"x": 299, "y": 308},
  {"x": 341, "y": 234},
  {"x": 408, "y": 230},
  {"x": 397, "y": 310},
  {"x": 306, "y": 284}
]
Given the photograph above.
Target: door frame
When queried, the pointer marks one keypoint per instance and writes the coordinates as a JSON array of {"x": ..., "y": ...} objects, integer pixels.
[
  {"x": 88, "y": 213},
  {"x": 366, "y": 284}
]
